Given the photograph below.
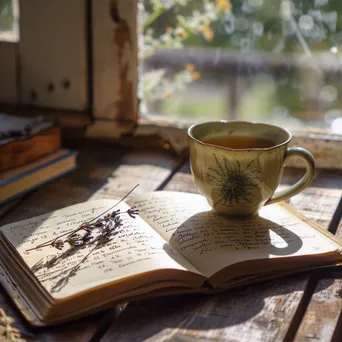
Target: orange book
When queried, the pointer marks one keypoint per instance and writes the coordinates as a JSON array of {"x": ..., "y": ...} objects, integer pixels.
[{"x": 23, "y": 140}]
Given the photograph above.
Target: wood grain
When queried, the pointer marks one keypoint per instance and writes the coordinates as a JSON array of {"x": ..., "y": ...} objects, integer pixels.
[
  {"x": 146, "y": 168},
  {"x": 255, "y": 313},
  {"x": 103, "y": 171},
  {"x": 338, "y": 220},
  {"x": 263, "y": 312},
  {"x": 75, "y": 331},
  {"x": 323, "y": 313},
  {"x": 115, "y": 73}
]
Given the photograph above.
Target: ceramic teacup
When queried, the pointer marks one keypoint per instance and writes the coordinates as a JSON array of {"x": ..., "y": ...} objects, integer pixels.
[{"x": 238, "y": 165}]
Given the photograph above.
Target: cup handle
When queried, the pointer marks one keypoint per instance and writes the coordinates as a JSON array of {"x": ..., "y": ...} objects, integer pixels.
[{"x": 296, "y": 152}]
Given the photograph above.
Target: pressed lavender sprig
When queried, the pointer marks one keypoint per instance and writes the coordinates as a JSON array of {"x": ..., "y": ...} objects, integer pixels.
[{"x": 105, "y": 223}]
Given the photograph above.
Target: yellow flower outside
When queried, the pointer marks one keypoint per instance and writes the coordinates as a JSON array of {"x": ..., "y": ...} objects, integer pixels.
[
  {"x": 180, "y": 33},
  {"x": 207, "y": 32},
  {"x": 190, "y": 67},
  {"x": 196, "y": 75},
  {"x": 149, "y": 31},
  {"x": 223, "y": 5},
  {"x": 167, "y": 93}
]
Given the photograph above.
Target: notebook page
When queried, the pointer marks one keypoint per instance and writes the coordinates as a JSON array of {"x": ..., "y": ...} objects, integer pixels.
[
  {"x": 211, "y": 242},
  {"x": 135, "y": 249}
]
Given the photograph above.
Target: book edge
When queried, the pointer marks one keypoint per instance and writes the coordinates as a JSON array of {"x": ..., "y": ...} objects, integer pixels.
[
  {"x": 67, "y": 154},
  {"x": 47, "y": 180},
  {"x": 331, "y": 237}
]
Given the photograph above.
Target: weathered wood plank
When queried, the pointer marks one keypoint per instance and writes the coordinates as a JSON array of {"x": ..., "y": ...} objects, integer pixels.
[
  {"x": 338, "y": 219},
  {"x": 256, "y": 313},
  {"x": 110, "y": 173},
  {"x": 115, "y": 70},
  {"x": 9, "y": 206},
  {"x": 146, "y": 168},
  {"x": 182, "y": 181},
  {"x": 323, "y": 313},
  {"x": 76, "y": 331},
  {"x": 263, "y": 312}
]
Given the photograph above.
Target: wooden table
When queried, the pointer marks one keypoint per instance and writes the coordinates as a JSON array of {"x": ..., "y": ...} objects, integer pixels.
[{"x": 304, "y": 307}]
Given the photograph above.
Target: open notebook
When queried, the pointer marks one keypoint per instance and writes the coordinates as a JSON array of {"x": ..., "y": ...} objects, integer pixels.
[{"x": 176, "y": 245}]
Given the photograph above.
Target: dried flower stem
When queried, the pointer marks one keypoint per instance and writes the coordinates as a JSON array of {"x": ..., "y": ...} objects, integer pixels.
[{"x": 72, "y": 233}]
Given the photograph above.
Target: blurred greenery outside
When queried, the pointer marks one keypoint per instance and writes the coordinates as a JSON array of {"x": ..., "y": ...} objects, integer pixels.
[
  {"x": 297, "y": 29},
  {"x": 6, "y": 15}
]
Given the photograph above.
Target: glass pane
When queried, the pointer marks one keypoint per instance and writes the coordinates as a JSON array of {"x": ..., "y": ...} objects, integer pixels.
[
  {"x": 9, "y": 12},
  {"x": 263, "y": 60}
]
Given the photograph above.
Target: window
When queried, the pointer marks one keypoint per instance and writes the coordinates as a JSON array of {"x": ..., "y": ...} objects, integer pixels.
[
  {"x": 9, "y": 36},
  {"x": 275, "y": 61},
  {"x": 262, "y": 60},
  {"x": 9, "y": 20}
]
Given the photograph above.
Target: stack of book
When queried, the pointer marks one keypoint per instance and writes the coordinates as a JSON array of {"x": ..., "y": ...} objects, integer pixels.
[{"x": 30, "y": 155}]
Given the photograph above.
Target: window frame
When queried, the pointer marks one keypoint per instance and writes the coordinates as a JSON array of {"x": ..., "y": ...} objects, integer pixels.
[
  {"x": 109, "y": 107},
  {"x": 172, "y": 132}
]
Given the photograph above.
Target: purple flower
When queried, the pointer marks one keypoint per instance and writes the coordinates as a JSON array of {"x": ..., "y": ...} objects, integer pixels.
[
  {"x": 133, "y": 211},
  {"x": 110, "y": 233},
  {"x": 75, "y": 240},
  {"x": 109, "y": 226},
  {"x": 95, "y": 228},
  {"x": 84, "y": 225},
  {"x": 87, "y": 237},
  {"x": 118, "y": 222},
  {"x": 115, "y": 213},
  {"x": 99, "y": 222},
  {"x": 59, "y": 244}
]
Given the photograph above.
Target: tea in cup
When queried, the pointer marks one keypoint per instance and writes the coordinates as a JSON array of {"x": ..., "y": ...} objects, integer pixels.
[{"x": 238, "y": 165}]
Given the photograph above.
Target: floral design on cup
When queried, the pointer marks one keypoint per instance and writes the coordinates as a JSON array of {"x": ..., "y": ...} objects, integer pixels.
[{"x": 233, "y": 183}]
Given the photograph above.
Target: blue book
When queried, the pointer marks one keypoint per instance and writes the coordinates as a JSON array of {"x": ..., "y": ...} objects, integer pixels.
[{"x": 18, "y": 181}]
